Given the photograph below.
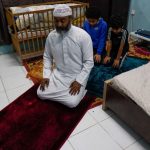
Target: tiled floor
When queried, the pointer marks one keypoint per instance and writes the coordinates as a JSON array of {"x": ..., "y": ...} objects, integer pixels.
[{"x": 98, "y": 130}]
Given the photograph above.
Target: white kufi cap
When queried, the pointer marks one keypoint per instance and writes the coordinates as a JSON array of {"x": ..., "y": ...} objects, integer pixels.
[{"x": 62, "y": 10}]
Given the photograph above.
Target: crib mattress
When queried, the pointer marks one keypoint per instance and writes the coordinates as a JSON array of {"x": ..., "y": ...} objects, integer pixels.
[
  {"x": 18, "y": 9},
  {"x": 136, "y": 85},
  {"x": 33, "y": 34},
  {"x": 30, "y": 18}
]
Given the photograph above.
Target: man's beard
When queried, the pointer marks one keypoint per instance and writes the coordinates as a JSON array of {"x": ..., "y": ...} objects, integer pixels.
[{"x": 63, "y": 29}]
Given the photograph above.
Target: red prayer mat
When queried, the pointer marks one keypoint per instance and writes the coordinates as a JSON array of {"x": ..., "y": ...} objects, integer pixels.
[{"x": 29, "y": 123}]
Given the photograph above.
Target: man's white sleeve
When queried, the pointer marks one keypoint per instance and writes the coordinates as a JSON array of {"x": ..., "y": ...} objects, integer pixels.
[
  {"x": 87, "y": 51},
  {"x": 47, "y": 59}
]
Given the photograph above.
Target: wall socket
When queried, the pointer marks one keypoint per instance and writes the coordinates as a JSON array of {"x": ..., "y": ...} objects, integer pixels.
[{"x": 133, "y": 12}]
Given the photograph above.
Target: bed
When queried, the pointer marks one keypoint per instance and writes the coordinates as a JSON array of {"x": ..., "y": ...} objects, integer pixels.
[{"x": 128, "y": 96}]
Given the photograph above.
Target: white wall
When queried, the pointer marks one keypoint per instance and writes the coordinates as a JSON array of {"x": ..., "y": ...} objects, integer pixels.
[{"x": 141, "y": 19}]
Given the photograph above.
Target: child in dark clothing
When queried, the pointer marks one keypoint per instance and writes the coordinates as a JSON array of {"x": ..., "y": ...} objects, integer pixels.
[
  {"x": 96, "y": 27},
  {"x": 117, "y": 42}
]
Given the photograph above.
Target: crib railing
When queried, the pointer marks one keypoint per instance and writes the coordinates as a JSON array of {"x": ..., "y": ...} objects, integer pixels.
[{"x": 29, "y": 29}]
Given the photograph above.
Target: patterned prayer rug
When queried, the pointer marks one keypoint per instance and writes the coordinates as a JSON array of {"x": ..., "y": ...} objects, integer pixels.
[
  {"x": 34, "y": 68},
  {"x": 29, "y": 123},
  {"x": 139, "y": 49}
]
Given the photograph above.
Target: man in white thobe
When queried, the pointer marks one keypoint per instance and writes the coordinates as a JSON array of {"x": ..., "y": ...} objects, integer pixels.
[{"x": 71, "y": 48}]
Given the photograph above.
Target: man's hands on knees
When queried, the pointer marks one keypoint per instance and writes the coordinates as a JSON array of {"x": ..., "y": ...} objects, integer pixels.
[
  {"x": 44, "y": 83},
  {"x": 75, "y": 88}
]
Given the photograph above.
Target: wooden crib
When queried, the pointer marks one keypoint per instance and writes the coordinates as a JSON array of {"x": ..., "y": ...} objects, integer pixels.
[{"x": 29, "y": 26}]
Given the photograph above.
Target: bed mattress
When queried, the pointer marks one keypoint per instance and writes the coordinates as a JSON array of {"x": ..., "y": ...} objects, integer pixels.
[{"x": 136, "y": 85}]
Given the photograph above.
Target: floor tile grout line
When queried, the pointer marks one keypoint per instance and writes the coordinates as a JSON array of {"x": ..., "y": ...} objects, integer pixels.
[
  {"x": 129, "y": 145},
  {"x": 28, "y": 82},
  {"x": 71, "y": 144},
  {"x": 112, "y": 137},
  {"x": 71, "y": 136},
  {"x": 134, "y": 142},
  {"x": 96, "y": 119},
  {"x": 5, "y": 89},
  {"x": 92, "y": 117},
  {"x": 14, "y": 74},
  {"x": 97, "y": 122},
  {"x": 12, "y": 89}
]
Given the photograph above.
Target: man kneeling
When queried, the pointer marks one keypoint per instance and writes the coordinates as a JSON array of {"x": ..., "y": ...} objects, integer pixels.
[{"x": 71, "y": 48}]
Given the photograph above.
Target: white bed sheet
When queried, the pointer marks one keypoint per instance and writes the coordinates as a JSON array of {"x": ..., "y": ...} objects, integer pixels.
[{"x": 135, "y": 84}]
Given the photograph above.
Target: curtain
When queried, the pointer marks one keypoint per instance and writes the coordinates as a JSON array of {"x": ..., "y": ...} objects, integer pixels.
[{"x": 4, "y": 36}]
